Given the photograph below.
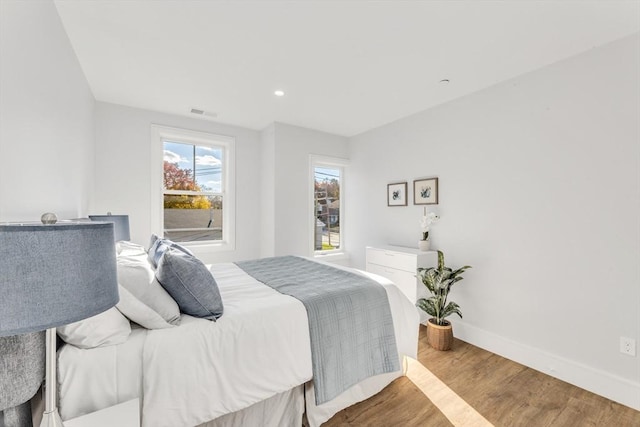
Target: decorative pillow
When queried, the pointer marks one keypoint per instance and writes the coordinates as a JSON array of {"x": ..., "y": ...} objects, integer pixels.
[
  {"x": 139, "y": 312},
  {"x": 107, "y": 328},
  {"x": 136, "y": 276},
  {"x": 191, "y": 284},
  {"x": 154, "y": 237},
  {"x": 159, "y": 246}
]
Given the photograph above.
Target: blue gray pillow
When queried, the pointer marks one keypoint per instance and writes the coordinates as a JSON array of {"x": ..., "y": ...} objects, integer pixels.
[
  {"x": 190, "y": 284},
  {"x": 159, "y": 246}
]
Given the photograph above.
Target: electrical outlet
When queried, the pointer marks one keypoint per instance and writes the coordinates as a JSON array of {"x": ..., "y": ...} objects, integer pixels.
[{"x": 628, "y": 346}]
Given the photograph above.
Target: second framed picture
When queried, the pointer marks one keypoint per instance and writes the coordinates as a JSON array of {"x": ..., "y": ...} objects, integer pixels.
[
  {"x": 425, "y": 191},
  {"x": 397, "y": 194}
]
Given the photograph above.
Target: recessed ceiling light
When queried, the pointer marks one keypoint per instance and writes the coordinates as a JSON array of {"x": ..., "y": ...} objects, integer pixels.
[
  {"x": 279, "y": 93},
  {"x": 444, "y": 81}
]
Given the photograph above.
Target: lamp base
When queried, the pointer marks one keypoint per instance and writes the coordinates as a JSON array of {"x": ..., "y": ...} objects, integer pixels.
[{"x": 51, "y": 419}]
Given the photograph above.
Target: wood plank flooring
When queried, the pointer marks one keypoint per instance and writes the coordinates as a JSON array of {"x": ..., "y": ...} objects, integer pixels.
[{"x": 504, "y": 392}]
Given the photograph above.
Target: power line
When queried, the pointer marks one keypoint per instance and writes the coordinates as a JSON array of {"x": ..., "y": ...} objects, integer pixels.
[{"x": 327, "y": 174}]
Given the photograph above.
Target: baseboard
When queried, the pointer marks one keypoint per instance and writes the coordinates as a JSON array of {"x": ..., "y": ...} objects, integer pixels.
[{"x": 599, "y": 382}]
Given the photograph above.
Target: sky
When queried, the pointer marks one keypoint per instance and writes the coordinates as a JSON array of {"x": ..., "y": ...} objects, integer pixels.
[
  {"x": 206, "y": 162},
  {"x": 326, "y": 173}
]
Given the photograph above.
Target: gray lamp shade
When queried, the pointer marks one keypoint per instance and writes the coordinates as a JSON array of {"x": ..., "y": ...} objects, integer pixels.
[
  {"x": 52, "y": 275},
  {"x": 120, "y": 222}
]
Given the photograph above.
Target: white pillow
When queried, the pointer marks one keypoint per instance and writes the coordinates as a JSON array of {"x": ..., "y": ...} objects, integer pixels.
[
  {"x": 124, "y": 248},
  {"x": 107, "y": 328},
  {"x": 138, "y": 312},
  {"x": 136, "y": 276}
]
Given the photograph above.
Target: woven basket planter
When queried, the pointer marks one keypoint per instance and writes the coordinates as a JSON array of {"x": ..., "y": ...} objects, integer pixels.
[{"x": 439, "y": 337}]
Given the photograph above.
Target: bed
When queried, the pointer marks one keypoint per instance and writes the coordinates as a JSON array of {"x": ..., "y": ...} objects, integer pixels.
[{"x": 253, "y": 366}]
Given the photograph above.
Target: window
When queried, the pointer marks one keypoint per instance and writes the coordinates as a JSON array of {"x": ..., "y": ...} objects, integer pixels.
[
  {"x": 328, "y": 205},
  {"x": 192, "y": 190},
  {"x": 196, "y": 201}
]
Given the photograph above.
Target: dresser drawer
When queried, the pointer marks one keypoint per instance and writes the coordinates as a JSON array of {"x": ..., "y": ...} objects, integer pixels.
[{"x": 397, "y": 260}]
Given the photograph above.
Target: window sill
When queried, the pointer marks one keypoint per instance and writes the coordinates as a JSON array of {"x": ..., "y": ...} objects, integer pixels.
[
  {"x": 341, "y": 258},
  {"x": 207, "y": 248}
]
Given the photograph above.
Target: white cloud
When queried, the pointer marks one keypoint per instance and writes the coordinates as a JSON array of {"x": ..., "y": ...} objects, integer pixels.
[
  {"x": 171, "y": 157},
  {"x": 215, "y": 186},
  {"x": 207, "y": 161}
]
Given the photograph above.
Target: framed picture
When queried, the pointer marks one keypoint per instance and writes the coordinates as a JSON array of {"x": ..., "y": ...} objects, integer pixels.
[
  {"x": 425, "y": 191},
  {"x": 397, "y": 194}
]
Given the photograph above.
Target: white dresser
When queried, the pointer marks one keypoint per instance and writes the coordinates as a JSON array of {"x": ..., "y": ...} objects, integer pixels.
[{"x": 399, "y": 264}]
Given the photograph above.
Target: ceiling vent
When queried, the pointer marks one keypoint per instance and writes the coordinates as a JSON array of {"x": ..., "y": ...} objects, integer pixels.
[{"x": 203, "y": 113}]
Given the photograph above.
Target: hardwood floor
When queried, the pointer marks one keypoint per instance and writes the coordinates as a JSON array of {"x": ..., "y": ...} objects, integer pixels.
[{"x": 505, "y": 393}]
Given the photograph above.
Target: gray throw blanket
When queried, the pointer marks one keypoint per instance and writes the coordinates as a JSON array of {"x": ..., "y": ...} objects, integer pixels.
[{"x": 350, "y": 322}]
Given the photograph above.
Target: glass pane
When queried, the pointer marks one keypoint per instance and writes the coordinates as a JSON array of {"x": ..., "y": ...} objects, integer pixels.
[
  {"x": 208, "y": 167},
  {"x": 192, "y": 167},
  {"x": 327, "y": 208},
  {"x": 178, "y": 167},
  {"x": 192, "y": 218}
]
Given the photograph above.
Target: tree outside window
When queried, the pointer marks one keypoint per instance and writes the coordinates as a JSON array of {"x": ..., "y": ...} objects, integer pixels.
[{"x": 327, "y": 208}]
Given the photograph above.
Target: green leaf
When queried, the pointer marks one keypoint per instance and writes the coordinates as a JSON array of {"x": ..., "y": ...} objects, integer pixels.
[
  {"x": 427, "y": 305},
  {"x": 451, "y": 308},
  {"x": 461, "y": 270}
]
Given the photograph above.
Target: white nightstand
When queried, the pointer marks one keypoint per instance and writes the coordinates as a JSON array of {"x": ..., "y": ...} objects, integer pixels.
[
  {"x": 399, "y": 264},
  {"x": 125, "y": 414}
]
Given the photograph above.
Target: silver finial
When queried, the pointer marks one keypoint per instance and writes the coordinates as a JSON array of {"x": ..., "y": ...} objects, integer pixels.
[{"x": 49, "y": 218}]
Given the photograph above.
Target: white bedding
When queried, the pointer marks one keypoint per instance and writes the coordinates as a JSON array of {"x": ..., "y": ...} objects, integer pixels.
[
  {"x": 93, "y": 379},
  {"x": 202, "y": 370}
]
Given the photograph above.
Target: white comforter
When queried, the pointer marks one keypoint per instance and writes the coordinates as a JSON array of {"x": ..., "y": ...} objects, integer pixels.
[{"x": 203, "y": 369}]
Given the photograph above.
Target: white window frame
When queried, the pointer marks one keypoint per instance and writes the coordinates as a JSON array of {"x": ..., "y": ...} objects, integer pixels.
[
  {"x": 329, "y": 162},
  {"x": 160, "y": 134}
]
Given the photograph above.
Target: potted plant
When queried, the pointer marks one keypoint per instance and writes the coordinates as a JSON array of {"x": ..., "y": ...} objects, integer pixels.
[
  {"x": 439, "y": 281},
  {"x": 426, "y": 220}
]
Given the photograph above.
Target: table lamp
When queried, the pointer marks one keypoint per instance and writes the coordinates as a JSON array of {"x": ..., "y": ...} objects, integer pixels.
[
  {"x": 120, "y": 223},
  {"x": 53, "y": 275}
]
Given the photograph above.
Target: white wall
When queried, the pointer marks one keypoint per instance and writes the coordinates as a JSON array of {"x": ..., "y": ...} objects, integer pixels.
[
  {"x": 292, "y": 206},
  {"x": 267, "y": 191},
  {"x": 46, "y": 117},
  {"x": 123, "y": 173},
  {"x": 540, "y": 193},
  {"x": 272, "y": 178}
]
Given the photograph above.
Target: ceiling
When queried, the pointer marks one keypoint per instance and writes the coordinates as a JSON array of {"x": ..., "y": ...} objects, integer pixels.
[{"x": 345, "y": 66}]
